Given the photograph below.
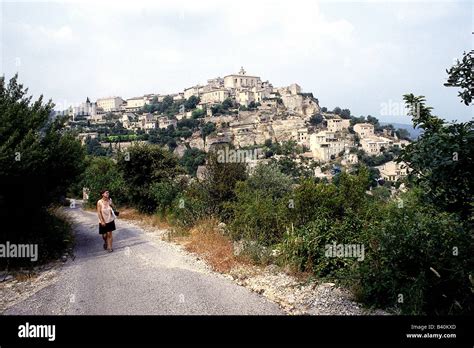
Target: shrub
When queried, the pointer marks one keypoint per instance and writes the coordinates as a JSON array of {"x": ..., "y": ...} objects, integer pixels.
[
  {"x": 412, "y": 253},
  {"x": 163, "y": 194},
  {"x": 103, "y": 173},
  {"x": 312, "y": 199},
  {"x": 305, "y": 246},
  {"x": 144, "y": 166},
  {"x": 269, "y": 179},
  {"x": 189, "y": 206},
  {"x": 198, "y": 114},
  {"x": 39, "y": 160},
  {"x": 261, "y": 208},
  {"x": 219, "y": 183},
  {"x": 257, "y": 216},
  {"x": 192, "y": 159}
]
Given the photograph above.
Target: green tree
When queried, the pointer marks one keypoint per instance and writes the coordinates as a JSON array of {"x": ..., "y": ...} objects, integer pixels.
[
  {"x": 346, "y": 113},
  {"x": 260, "y": 209},
  {"x": 192, "y": 159},
  {"x": 198, "y": 114},
  {"x": 316, "y": 119},
  {"x": 403, "y": 133},
  {"x": 227, "y": 103},
  {"x": 460, "y": 75},
  {"x": 373, "y": 120},
  {"x": 103, "y": 174},
  {"x": 167, "y": 103},
  {"x": 219, "y": 183},
  {"x": 39, "y": 160},
  {"x": 440, "y": 161},
  {"x": 142, "y": 166},
  {"x": 207, "y": 129},
  {"x": 93, "y": 147},
  {"x": 191, "y": 102},
  {"x": 269, "y": 178},
  {"x": 416, "y": 251}
]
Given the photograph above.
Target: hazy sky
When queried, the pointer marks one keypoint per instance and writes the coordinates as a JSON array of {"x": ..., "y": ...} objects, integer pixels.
[{"x": 358, "y": 55}]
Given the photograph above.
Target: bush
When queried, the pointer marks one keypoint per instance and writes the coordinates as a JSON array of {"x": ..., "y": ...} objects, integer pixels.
[
  {"x": 316, "y": 119},
  {"x": 305, "y": 246},
  {"x": 163, "y": 194},
  {"x": 192, "y": 159},
  {"x": 218, "y": 185},
  {"x": 324, "y": 214},
  {"x": 312, "y": 199},
  {"x": 261, "y": 208},
  {"x": 257, "y": 216},
  {"x": 103, "y": 173},
  {"x": 411, "y": 253},
  {"x": 199, "y": 113},
  {"x": 189, "y": 206},
  {"x": 256, "y": 253},
  {"x": 144, "y": 166},
  {"x": 39, "y": 160},
  {"x": 270, "y": 179}
]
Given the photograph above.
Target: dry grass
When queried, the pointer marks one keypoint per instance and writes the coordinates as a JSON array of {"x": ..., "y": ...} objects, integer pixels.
[
  {"x": 25, "y": 276},
  {"x": 300, "y": 276},
  {"x": 206, "y": 240},
  {"x": 150, "y": 220}
]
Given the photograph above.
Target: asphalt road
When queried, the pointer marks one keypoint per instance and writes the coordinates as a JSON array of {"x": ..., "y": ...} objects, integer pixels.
[{"x": 142, "y": 276}]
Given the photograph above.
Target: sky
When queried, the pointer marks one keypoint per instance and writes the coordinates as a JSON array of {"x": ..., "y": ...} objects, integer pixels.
[{"x": 360, "y": 55}]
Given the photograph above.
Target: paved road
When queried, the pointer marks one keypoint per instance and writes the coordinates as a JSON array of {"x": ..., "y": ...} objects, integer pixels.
[{"x": 143, "y": 275}]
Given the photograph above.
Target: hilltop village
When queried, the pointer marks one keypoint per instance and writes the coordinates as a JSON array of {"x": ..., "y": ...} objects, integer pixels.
[{"x": 246, "y": 113}]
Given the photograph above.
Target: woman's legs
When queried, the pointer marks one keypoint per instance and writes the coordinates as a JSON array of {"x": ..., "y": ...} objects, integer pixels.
[
  {"x": 104, "y": 237},
  {"x": 109, "y": 240}
]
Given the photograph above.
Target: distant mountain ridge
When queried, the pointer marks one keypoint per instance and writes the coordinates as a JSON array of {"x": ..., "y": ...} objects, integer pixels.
[{"x": 414, "y": 133}]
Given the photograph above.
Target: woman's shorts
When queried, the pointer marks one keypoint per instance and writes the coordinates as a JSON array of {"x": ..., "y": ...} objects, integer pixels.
[{"x": 109, "y": 227}]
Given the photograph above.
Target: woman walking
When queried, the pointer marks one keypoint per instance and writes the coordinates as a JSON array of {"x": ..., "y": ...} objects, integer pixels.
[{"x": 106, "y": 219}]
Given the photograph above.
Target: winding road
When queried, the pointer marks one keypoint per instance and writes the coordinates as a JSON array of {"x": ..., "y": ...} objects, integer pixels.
[{"x": 144, "y": 275}]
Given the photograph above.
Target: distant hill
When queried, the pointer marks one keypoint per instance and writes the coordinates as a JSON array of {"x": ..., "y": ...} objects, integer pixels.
[{"x": 414, "y": 133}]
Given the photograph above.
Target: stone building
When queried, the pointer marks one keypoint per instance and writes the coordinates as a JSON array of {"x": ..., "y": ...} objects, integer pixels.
[
  {"x": 374, "y": 145},
  {"x": 146, "y": 122},
  {"x": 303, "y": 104},
  {"x": 364, "y": 129},
  {"x": 192, "y": 91},
  {"x": 87, "y": 109},
  {"x": 393, "y": 171},
  {"x": 349, "y": 158},
  {"x": 128, "y": 120},
  {"x": 165, "y": 122},
  {"x": 241, "y": 80},
  {"x": 337, "y": 124},
  {"x": 326, "y": 146},
  {"x": 214, "y": 96},
  {"x": 135, "y": 104},
  {"x": 302, "y": 137},
  {"x": 110, "y": 104}
]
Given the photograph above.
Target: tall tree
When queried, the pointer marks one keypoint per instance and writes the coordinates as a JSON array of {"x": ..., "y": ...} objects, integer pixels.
[
  {"x": 441, "y": 161},
  {"x": 39, "y": 160},
  {"x": 460, "y": 75}
]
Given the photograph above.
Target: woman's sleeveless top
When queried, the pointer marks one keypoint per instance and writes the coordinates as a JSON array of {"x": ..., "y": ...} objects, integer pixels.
[{"x": 107, "y": 212}]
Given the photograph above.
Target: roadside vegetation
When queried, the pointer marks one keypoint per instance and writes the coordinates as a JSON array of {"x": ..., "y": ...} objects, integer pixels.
[{"x": 418, "y": 243}]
